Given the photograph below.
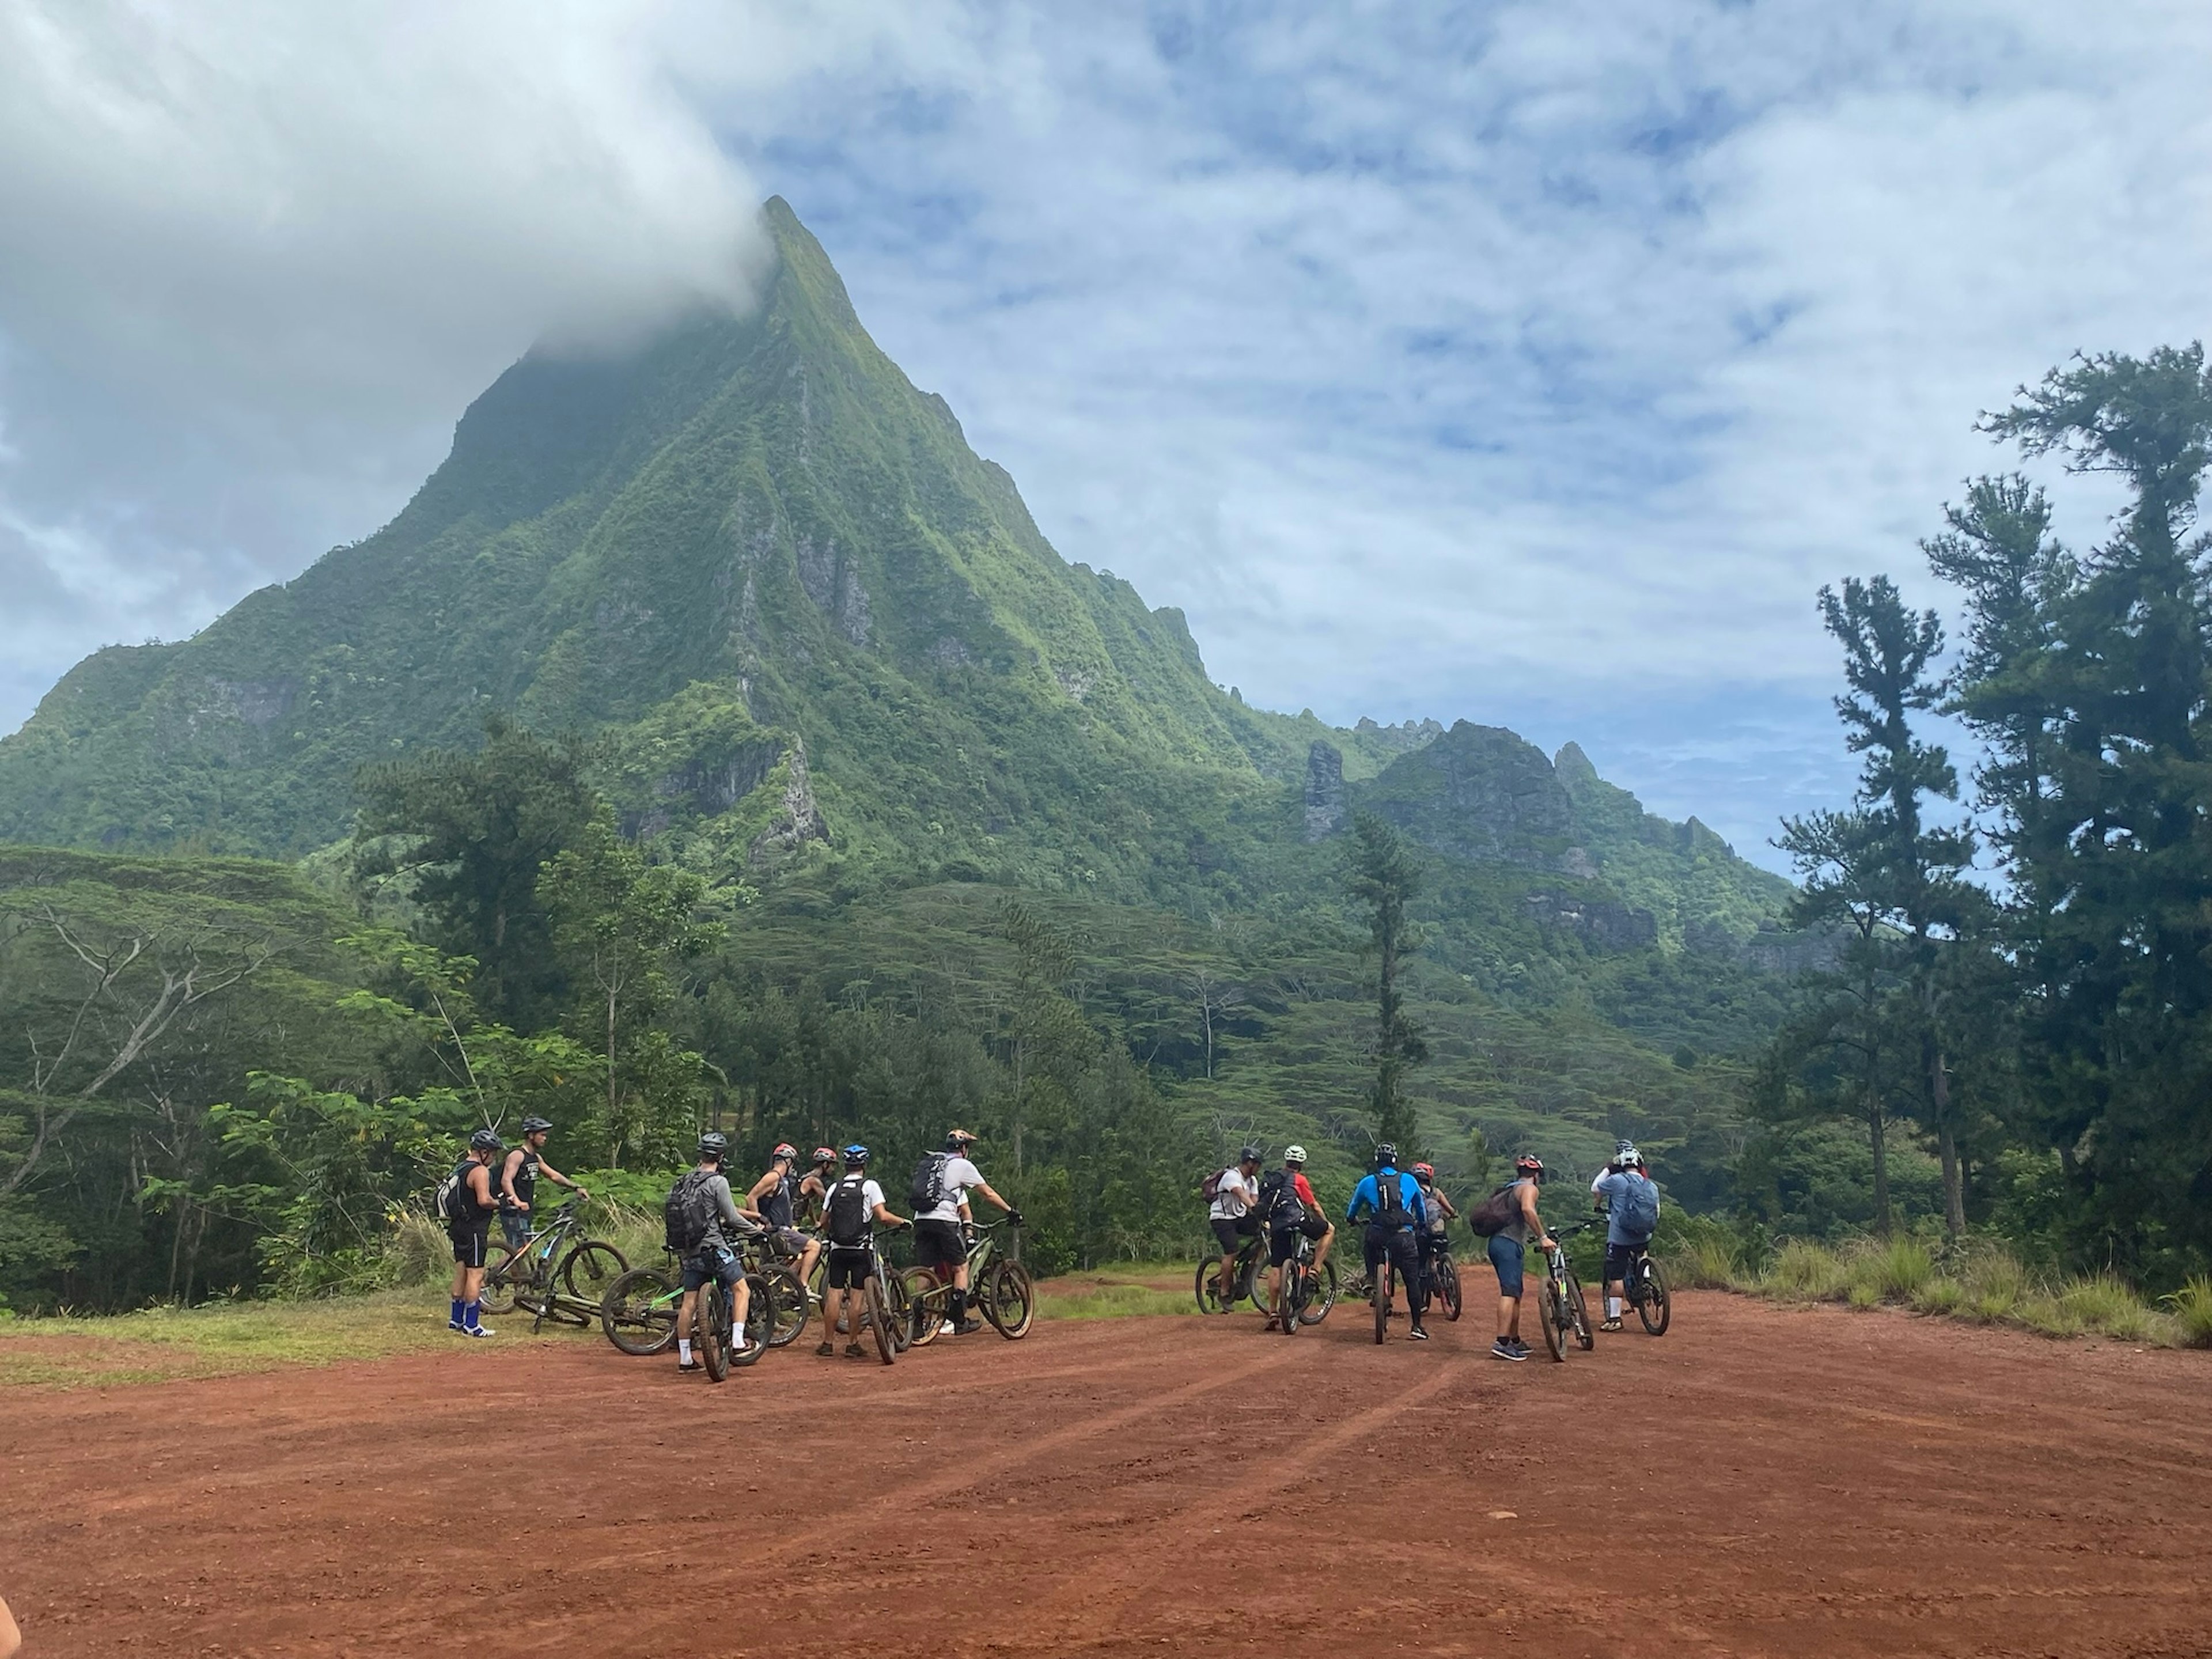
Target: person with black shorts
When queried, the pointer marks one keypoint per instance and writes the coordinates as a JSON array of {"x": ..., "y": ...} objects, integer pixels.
[
  {"x": 1236, "y": 1190},
  {"x": 851, "y": 1214},
  {"x": 1283, "y": 1230},
  {"x": 775, "y": 1198},
  {"x": 941, "y": 1234},
  {"x": 468, "y": 1224}
]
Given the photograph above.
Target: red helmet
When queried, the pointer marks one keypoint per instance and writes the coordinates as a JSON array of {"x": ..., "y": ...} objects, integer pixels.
[
  {"x": 825, "y": 1155},
  {"x": 1528, "y": 1164},
  {"x": 784, "y": 1149},
  {"x": 1425, "y": 1171}
]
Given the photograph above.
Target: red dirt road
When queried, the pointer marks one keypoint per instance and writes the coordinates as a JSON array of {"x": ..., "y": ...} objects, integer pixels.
[{"x": 1763, "y": 1480}]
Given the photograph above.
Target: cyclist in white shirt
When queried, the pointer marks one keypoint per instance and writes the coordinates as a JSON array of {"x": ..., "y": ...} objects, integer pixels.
[
  {"x": 1230, "y": 1215},
  {"x": 940, "y": 1242}
]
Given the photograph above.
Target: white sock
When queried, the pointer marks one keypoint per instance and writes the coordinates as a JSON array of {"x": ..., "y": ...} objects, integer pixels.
[
  {"x": 683, "y": 1350},
  {"x": 1613, "y": 1307}
]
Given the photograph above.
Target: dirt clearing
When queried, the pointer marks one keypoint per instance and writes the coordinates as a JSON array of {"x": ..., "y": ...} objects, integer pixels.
[{"x": 1765, "y": 1479}]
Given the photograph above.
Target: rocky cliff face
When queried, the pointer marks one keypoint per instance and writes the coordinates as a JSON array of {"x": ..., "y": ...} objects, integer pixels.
[
  {"x": 1483, "y": 793},
  {"x": 1325, "y": 808}
]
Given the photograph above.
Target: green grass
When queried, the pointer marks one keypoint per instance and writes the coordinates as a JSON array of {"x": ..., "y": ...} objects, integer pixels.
[
  {"x": 1122, "y": 1290},
  {"x": 1984, "y": 1283},
  {"x": 223, "y": 1338}
]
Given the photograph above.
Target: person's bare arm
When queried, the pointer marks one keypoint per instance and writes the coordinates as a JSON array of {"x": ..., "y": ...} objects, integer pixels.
[
  {"x": 884, "y": 1215},
  {"x": 560, "y": 1180},
  {"x": 506, "y": 1168},
  {"x": 1544, "y": 1239},
  {"x": 985, "y": 1188},
  {"x": 759, "y": 1190},
  {"x": 11, "y": 1638},
  {"x": 480, "y": 1186}
]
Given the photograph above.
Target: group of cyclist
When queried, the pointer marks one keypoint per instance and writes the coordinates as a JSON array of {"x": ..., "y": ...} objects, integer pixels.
[{"x": 1404, "y": 1215}]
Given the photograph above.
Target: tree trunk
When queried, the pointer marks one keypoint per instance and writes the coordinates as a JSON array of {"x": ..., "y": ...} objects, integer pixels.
[
  {"x": 1946, "y": 1146},
  {"x": 1878, "y": 1134},
  {"x": 614, "y": 1129}
]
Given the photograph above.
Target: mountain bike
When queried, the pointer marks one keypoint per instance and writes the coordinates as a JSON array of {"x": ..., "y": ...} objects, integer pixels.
[
  {"x": 1249, "y": 1270},
  {"x": 1443, "y": 1277},
  {"x": 554, "y": 1274},
  {"x": 637, "y": 1313},
  {"x": 1308, "y": 1295},
  {"x": 763, "y": 1257},
  {"x": 1647, "y": 1291},
  {"x": 1559, "y": 1305},
  {"x": 999, "y": 1288},
  {"x": 718, "y": 1344}
]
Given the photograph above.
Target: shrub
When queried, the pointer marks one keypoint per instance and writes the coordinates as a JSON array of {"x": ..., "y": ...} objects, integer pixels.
[
  {"x": 1939, "y": 1295},
  {"x": 1806, "y": 1270},
  {"x": 417, "y": 1252},
  {"x": 2192, "y": 1312},
  {"x": 2101, "y": 1302},
  {"x": 1898, "y": 1269}
]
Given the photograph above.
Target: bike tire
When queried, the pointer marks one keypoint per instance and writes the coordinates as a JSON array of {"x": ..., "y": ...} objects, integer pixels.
[
  {"x": 1321, "y": 1292},
  {"x": 879, "y": 1320},
  {"x": 746, "y": 1346},
  {"x": 1384, "y": 1294},
  {"x": 1448, "y": 1291},
  {"x": 900, "y": 1308},
  {"x": 927, "y": 1303},
  {"x": 1207, "y": 1287},
  {"x": 1654, "y": 1308},
  {"x": 1578, "y": 1314},
  {"x": 788, "y": 1297},
  {"x": 1012, "y": 1305},
  {"x": 588, "y": 1269},
  {"x": 628, "y": 1317},
  {"x": 497, "y": 1295},
  {"x": 710, "y": 1335},
  {"x": 1550, "y": 1315}
]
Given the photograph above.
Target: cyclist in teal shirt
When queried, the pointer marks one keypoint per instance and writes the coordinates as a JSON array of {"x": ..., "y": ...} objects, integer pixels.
[{"x": 1391, "y": 1204}]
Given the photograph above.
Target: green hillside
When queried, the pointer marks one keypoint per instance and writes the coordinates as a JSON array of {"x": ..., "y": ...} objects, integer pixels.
[{"x": 824, "y": 662}]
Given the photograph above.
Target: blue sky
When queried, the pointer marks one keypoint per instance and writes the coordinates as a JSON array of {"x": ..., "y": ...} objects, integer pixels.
[{"x": 1531, "y": 363}]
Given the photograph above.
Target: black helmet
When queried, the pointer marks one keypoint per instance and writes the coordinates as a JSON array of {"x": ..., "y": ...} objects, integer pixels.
[
  {"x": 856, "y": 1156},
  {"x": 1387, "y": 1156},
  {"x": 715, "y": 1144},
  {"x": 486, "y": 1140},
  {"x": 532, "y": 1125},
  {"x": 1250, "y": 1155}
]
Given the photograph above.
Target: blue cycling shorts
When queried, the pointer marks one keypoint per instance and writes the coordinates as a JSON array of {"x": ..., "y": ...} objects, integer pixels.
[{"x": 1506, "y": 1254}]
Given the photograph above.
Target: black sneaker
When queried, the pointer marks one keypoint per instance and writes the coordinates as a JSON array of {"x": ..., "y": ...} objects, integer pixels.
[
  {"x": 968, "y": 1327},
  {"x": 1502, "y": 1349},
  {"x": 1416, "y": 1334}
]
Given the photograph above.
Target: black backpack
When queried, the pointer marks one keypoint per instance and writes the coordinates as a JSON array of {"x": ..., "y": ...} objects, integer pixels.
[
  {"x": 1496, "y": 1213},
  {"x": 846, "y": 1211},
  {"x": 689, "y": 1211},
  {"x": 927, "y": 1191},
  {"x": 1280, "y": 1203},
  {"x": 1390, "y": 1200},
  {"x": 454, "y": 1201}
]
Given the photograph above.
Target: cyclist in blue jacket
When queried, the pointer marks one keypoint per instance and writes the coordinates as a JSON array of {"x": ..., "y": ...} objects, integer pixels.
[{"x": 1391, "y": 1204}]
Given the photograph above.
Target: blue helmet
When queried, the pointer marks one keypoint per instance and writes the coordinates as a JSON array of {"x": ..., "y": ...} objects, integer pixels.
[{"x": 856, "y": 1156}]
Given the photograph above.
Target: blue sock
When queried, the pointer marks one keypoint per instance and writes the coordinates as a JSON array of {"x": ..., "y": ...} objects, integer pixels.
[
  {"x": 471, "y": 1313},
  {"x": 458, "y": 1306}
]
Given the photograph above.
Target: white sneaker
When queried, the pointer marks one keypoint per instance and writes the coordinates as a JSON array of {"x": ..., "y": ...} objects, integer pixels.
[{"x": 945, "y": 1329}]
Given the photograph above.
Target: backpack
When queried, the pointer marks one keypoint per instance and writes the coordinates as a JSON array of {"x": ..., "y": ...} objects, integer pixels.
[
  {"x": 846, "y": 1211},
  {"x": 688, "y": 1213},
  {"x": 1495, "y": 1213},
  {"x": 1637, "y": 1210},
  {"x": 1210, "y": 1188},
  {"x": 1280, "y": 1203},
  {"x": 1390, "y": 1200},
  {"x": 454, "y": 1201},
  {"x": 928, "y": 1189}
]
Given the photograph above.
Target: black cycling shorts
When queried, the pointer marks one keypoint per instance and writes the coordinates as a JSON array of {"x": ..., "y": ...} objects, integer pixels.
[
  {"x": 849, "y": 1269},
  {"x": 1618, "y": 1259},
  {"x": 938, "y": 1242},
  {"x": 1283, "y": 1244},
  {"x": 1232, "y": 1233},
  {"x": 471, "y": 1240}
]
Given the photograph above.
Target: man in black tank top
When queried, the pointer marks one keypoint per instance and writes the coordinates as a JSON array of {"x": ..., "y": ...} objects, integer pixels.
[
  {"x": 775, "y": 1199},
  {"x": 517, "y": 1180}
]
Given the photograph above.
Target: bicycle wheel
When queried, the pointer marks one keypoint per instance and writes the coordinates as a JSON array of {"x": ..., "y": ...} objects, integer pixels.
[
  {"x": 1652, "y": 1307},
  {"x": 711, "y": 1332},
  {"x": 635, "y": 1312},
  {"x": 501, "y": 1269},
  {"x": 1550, "y": 1313},
  {"x": 1321, "y": 1292},
  {"x": 1448, "y": 1291},
  {"x": 761, "y": 1312},
  {"x": 1252, "y": 1278},
  {"x": 1578, "y": 1315},
  {"x": 588, "y": 1269},
  {"x": 927, "y": 1303},
  {"x": 1384, "y": 1289},
  {"x": 1012, "y": 1305},
  {"x": 788, "y": 1296},
  {"x": 899, "y": 1310},
  {"x": 1208, "y": 1286},
  {"x": 879, "y": 1320}
]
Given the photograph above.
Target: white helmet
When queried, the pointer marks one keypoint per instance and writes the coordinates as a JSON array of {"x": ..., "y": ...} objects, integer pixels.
[
  {"x": 1294, "y": 1154},
  {"x": 1630, "y": 1158}
]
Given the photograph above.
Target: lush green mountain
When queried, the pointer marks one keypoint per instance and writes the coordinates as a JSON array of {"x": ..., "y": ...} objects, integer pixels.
[{"x": 836, "y": 670}]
